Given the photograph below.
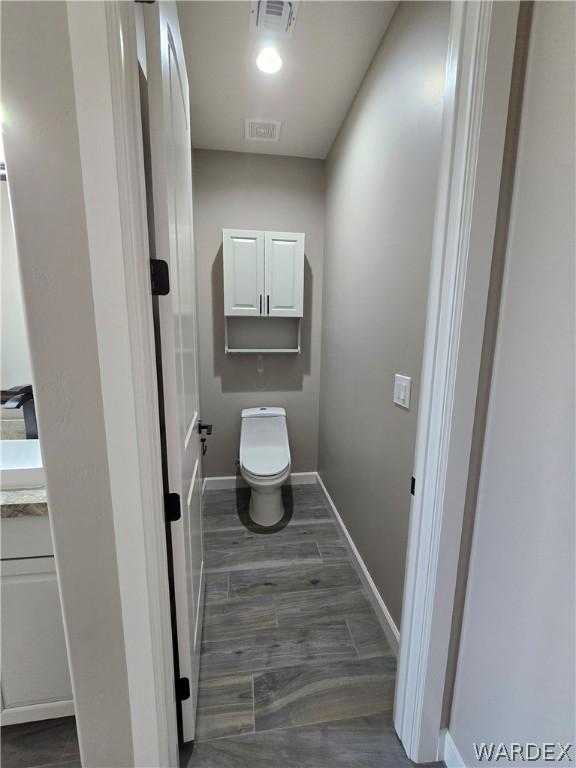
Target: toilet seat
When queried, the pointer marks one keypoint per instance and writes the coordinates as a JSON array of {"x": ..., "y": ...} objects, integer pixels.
[
  {"x": 264, "y": 479},
  {"x": 264, "y": 448}
]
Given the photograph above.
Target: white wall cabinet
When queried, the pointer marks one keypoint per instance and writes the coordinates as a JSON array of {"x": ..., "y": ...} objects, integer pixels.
[
  {"x": 244, "y": 284},
  {"x": 35, "y": 674},
  {"x": 284, "y": 274},
  {"x": 263, "y": 273}
]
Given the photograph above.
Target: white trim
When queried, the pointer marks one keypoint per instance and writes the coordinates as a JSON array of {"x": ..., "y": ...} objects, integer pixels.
[
  {"x": 193, "y": 481},
  {"x": 32, "y": 712},
  {"x": 390, "y": 629},
  {"x": 190, "y": 430},
  {"x": 237, "y": 481},
  {"x": 105, "y": 64},
  {"x": 479, "y": 67},
  {"x": 199, "y": 615},
  {"x": 448, "y": 751}
]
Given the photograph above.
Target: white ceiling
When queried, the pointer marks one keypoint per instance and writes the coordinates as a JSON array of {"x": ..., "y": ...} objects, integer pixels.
[{"x": 323, "y": 66}]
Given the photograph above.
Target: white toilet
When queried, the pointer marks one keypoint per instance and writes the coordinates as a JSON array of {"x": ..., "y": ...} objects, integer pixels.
[{"x": 265, "y": 461}]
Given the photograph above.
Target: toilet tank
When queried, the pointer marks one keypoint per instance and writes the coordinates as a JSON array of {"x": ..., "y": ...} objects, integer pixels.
[{"x": 248, "y": 413}]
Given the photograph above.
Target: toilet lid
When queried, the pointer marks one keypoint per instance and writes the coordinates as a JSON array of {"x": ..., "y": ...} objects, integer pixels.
[{"x": 264, "y": 448}]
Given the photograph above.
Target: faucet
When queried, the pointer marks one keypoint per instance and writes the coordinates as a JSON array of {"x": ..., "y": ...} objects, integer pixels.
[{"x": 22, "y": 397}]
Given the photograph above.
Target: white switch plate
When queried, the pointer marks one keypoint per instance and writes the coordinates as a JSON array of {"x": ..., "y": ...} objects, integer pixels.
[{"x": 402, "y": 390}]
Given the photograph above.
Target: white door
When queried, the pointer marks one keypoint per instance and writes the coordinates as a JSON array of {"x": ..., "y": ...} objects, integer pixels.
[
  {"x": 243, "y": 254},
  {"x": 284, "y": 274},
  {"x": 171, "y": 169}
]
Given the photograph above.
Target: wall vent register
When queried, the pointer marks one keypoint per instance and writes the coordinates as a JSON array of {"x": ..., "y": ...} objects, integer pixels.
[
  {"x": 273, "y": 17},
  {"x": 264, "y": 279},
  {"x": 262, "y": 130}
]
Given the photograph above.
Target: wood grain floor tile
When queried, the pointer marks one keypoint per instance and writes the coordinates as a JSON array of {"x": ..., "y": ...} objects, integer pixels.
[
  {"x": 369, "y": 638},
  {"x": 322, "y": 606},
  {"x": 367, "y": 742},
  {"x": 281, "y": 580},
  {"x": 306, "y": 694},
  {"x": 237, "y": 617},
  {"x": 260, "y": 554},
  {"x": 275, "y": 648},
  {"x": 225, "y": 707}
]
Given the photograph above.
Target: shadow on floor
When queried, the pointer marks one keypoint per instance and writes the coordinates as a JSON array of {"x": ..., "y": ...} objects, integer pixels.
[{"x": 243, "y": 509}]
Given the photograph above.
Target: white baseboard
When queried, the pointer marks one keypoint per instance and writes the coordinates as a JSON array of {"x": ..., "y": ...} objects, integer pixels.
[
  {"x": 237, "y": 481},
  {"x": 448, "y": 751},
  {"x": 390, "y": 629},
  {"x": 47, "y": 711}
]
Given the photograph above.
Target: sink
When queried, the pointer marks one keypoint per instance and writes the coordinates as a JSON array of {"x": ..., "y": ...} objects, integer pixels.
[{"x": 20, "y": 464}]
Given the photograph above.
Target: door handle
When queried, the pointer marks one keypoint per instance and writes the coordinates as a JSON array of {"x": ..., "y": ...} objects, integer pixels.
[
  {"x": 260, "y": 311},
  {"x": 268, "y": 304}
]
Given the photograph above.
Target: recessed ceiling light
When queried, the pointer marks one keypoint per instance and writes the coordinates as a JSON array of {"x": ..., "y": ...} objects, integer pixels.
[{"x": 269, "y": 61}]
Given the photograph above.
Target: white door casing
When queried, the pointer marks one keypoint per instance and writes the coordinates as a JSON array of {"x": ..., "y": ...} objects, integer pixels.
[
  {"x": 243, "y": 256},
  {"x": 284, "y": 274},
  {"x": 171, "y": 165},
  {"x": 478, "y": 75}
]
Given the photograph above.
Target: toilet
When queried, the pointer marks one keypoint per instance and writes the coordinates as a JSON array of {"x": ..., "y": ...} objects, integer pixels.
[{"x": 265, "y": 461}]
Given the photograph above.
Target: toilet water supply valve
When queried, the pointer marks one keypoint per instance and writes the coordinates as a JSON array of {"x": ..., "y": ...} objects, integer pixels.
[{"x": 201, "y": 429}]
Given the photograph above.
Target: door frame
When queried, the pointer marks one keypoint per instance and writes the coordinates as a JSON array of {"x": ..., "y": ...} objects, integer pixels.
[
  {"x": 106, "y": 83},
  {"x": 103, "y": 61},
  {"x": 75, "y": 167},
  {"x": 479, "y": 67}
]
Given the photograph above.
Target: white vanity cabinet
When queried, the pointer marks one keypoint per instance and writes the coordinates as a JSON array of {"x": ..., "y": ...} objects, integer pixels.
[
  {"x": 263, "y": 273},
  {"x": 35, "y": 674}
]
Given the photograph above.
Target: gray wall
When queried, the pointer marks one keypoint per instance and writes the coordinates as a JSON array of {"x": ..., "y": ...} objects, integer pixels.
[
  {"x": 15, "y": 366},
  {"x": 380, "y": 200},
  {"x": 47, "y": 192},
  {"x": 269, "y": 193},
  {"x": 515, "y": 674}
]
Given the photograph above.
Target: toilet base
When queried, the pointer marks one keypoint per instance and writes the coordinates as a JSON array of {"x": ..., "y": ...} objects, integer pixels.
[{"x": 266, "y": 506}]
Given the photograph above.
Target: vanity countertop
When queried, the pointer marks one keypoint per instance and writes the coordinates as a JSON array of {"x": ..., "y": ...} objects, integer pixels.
[{"x": 23, "y": 503}]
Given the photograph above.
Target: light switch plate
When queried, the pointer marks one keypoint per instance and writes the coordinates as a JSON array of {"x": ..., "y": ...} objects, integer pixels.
[{"x": 402, "y": 390}]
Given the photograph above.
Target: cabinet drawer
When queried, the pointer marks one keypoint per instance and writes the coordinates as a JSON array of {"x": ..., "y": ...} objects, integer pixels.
[
  {"x": 26, "y": 537},
  {"x": 34, "y": 658}
]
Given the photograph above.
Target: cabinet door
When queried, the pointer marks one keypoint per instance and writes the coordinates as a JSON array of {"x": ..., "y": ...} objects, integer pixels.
[
  {"x": 284, "y": 274},
  {"x": 34, "y": 659},
  {"x": 243, "y": 272}
]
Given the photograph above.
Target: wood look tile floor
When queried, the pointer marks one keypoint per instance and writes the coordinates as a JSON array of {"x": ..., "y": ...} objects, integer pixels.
[
  {"x": 295, "y": 669},
  {"x": 41, "y": 744}
]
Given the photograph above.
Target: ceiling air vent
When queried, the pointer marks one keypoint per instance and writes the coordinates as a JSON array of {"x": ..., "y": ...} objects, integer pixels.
[
  {"x": 273, "y": 17},
  {"x": 262, "y": 130}
]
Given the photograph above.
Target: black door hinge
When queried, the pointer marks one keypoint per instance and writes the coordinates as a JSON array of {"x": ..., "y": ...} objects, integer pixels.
[
  {"x": 413, "y": 486},
  {"x": 183, "y": 688},
  {"x": 160, "y": 277},
  {"x": 172, "y": 507}
]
